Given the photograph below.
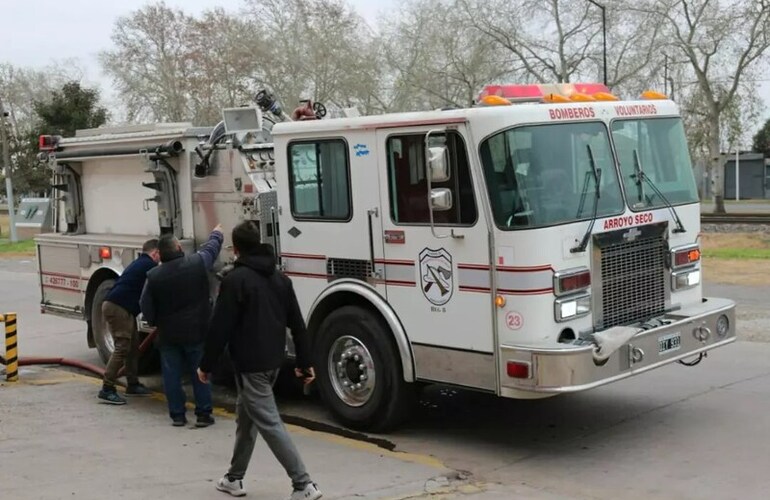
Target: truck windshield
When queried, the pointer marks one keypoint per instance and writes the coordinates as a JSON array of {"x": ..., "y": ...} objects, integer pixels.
[
  {"x": 661, "y": 153},
  {"x": 542, "y": 175}
]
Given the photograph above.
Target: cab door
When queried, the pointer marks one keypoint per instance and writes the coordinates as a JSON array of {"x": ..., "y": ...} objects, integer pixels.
[
  {"x": 436, "y": 258},
  {"x": 328, "y": 217}
]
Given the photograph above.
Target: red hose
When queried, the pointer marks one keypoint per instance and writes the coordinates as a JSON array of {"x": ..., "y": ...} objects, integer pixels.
[{"x": 74, "y": 363}]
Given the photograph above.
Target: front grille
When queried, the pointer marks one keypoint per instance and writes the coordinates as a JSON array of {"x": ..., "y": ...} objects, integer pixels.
[{"x": 633, "y": 275}]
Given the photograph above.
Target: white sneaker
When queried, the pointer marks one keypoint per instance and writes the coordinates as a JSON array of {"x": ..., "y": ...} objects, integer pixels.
[
  {"x": 309, "y": 493},
  {"x": 234, "y": 488}
]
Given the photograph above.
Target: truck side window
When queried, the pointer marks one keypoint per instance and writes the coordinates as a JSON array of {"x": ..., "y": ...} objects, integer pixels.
[
  {"x": 408, "y": 186},
  {"x": 319, "y": 180}
]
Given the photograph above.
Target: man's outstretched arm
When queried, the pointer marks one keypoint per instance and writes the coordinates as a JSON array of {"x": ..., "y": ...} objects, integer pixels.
[{"x": 209, "y": 251}]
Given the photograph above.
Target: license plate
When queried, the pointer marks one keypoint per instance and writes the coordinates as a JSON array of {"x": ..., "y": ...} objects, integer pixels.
[{"x": 669, "y": 343}]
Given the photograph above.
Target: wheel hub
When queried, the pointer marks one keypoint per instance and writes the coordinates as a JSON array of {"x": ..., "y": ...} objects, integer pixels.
[{"x": 352, "y": 372}]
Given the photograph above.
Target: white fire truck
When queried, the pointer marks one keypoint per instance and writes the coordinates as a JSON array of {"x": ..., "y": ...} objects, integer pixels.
[{"x": 542, "y": 242}]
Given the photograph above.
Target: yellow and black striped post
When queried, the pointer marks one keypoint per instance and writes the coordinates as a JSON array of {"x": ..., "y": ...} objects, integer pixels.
[{"x": 11, "y": 348}]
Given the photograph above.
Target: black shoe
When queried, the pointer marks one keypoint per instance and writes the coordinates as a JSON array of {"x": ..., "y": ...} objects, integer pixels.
[
  {"x": 179, "y": 421},
  {"x": 137, "y": 390},
  {"x": 110, "y": 396},
  {"x": 204, "y": 421}
]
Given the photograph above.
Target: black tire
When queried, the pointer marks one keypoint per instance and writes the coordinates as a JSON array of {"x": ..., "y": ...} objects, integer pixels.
[
  {"x": 388, "y": 399},
  {"x": 102, "y": 335},
  {"x": 148, "y": 362}
]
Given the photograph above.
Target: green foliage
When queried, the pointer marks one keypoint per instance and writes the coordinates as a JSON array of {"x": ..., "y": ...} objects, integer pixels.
[
  {"x": 762, "y": 140},
  {"x": 70, "y": 108},
  {"x": 29, "y": 175},
  {"x": 737, "y": 253},
  {"x": 26, "y": 247}
]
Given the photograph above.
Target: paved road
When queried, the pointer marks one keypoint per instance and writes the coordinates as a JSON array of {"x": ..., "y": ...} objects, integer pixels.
[
  {"x": 673, "y": 433},
  {"x": 57, "y": 442}
]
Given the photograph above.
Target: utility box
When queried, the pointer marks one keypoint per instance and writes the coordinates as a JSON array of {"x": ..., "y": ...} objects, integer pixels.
[{"x": 34, "y": 216}]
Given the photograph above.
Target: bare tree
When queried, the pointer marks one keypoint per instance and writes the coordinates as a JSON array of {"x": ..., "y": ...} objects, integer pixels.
[
  {"x": 225, "y": 52},
  {"x": 436, "y": 57},
  {"x": 149, "y": 64},
  {"x": 552, "y": 40},
  {"x": 561, "y": 41},
  {"x": 722, "y": 43},
  {"x": 22, "y": 87},
  {"x": 318, "y": 49}
]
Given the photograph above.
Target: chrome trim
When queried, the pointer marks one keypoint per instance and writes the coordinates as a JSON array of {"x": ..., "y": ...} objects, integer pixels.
[
  {"x": 569, "y": 272},
  {"x": 674, "y": 251},
  {"x": 675, "y": 275},
  {"x": 349, "y": 356},
  {"x": 570, "y": 298},
  {"x": 63, "y": 311},
  {"x": 368, "y": 293},
  {"x": 453, "y": 366},
  {"x": 563, "y": 369}
]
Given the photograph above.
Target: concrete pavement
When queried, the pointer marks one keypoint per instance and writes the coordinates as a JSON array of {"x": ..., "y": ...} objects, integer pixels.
[
  {"x": 57, "y": 441},
  {"x": 673, "y": 433}
]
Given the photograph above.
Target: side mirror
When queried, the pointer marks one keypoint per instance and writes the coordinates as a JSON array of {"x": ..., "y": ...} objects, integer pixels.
[
  {"x": 438, "y": 164},
  {"x": 440, "y": 199}
]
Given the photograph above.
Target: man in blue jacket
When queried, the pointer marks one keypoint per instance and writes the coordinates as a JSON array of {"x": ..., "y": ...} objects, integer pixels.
[
  {"x": 177, "y": 300},
  {"x": 120, "y": 308}
]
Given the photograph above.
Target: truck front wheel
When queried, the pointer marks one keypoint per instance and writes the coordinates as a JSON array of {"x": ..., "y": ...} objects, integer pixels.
[{"x": 359, "y": 371}]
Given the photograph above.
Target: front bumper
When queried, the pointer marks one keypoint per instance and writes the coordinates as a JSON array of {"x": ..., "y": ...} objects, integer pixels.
[{"x": 572, "y": 369}]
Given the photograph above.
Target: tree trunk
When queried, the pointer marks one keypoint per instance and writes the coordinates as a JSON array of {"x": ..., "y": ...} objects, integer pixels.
[{"x": 717, "y": 166}]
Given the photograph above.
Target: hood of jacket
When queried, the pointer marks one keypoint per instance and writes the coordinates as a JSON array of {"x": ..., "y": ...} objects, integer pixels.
[{"x": 263, "y": 261}]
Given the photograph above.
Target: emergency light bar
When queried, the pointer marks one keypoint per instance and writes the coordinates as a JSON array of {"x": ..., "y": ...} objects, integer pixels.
[
  {"x": 496, "y": 95},
  {"x": 536, "y": 92}
]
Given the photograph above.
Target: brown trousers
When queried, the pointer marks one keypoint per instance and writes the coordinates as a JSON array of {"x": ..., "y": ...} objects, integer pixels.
[{"x": 122, "y": 326}]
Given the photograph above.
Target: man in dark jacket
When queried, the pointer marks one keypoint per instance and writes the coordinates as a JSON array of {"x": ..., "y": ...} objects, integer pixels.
[
  {"x": 256, "y": 304},
  {"x": 177, "y": 301},
  {"x": 120, "y": 309}
]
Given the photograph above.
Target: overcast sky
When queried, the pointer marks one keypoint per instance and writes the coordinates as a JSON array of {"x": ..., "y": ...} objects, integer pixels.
[{"x": 36, "y": 32}]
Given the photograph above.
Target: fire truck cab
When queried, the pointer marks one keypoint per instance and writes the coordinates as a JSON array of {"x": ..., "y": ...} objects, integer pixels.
[
  {"x": 525, "y": 250},
  {"x": 543, "y": 242}
]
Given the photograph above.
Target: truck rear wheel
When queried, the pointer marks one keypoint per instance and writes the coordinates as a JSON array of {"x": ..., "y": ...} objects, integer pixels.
[
  {"x": 105, "y": 344},
  {"x": 359, "y": 371}
]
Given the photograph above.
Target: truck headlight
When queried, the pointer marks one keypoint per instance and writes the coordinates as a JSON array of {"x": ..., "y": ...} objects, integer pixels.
[
  {"x": 566, "y": 308},
  {"x": 682, "y": 280}
]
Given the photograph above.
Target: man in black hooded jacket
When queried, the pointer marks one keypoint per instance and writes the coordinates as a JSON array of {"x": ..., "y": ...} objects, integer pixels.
[{"x": 256, "y": 304}]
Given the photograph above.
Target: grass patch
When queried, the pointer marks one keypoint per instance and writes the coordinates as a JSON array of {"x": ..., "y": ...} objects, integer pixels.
[
  {"x": 737, "y": 253},
  {"x": 736, "y": 258},
  {"x": 26, "y": 247},
  {"x": 740, "y": 246}
]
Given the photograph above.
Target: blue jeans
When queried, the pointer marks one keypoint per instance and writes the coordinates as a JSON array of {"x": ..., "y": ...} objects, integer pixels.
[{"x": 177, "y": 360}]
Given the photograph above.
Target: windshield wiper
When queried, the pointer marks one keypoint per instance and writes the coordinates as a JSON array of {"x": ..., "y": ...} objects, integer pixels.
[
  {"x": 597, "y": 178},
  {"x": 639, "y": 176}
]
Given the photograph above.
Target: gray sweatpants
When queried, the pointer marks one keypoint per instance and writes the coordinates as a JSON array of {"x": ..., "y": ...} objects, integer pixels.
[{"x": 257, "y": 414}]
